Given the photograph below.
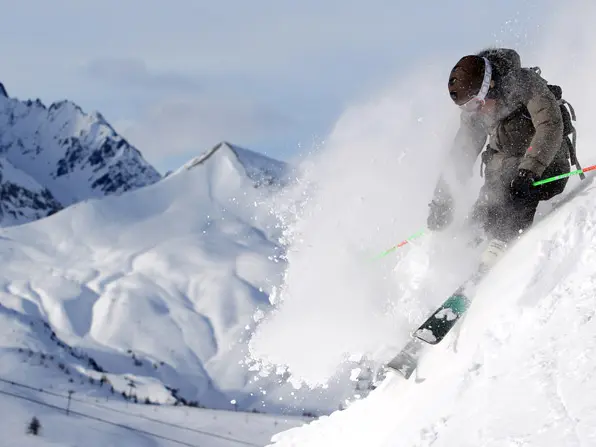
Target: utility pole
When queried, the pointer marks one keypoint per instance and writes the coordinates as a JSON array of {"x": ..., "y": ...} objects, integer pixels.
[
  {"x": 131, "y": 385},
  {"x": 68, "y": 404}
]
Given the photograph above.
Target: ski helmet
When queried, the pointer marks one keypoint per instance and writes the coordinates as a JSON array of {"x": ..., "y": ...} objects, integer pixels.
[{"x": 469, "y": 81}]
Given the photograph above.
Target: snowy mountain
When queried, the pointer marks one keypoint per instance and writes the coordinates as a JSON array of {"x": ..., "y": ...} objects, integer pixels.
[
  {"x": 55, "y": 156},
  {"x": 159, "y": 286},
  {"x": 22, "y": 198}
]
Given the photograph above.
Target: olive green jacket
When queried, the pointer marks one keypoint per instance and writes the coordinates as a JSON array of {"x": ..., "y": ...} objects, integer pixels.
[{"x": 525, "y": 127}]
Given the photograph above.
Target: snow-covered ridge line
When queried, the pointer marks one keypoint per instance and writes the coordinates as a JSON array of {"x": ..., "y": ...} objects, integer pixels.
[
  {"x": 260, "y": 168},
  {"x": 204, "y": 157}
]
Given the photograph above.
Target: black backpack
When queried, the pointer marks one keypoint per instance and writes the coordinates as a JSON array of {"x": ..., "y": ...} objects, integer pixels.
[{"x": 568, "y": 114}]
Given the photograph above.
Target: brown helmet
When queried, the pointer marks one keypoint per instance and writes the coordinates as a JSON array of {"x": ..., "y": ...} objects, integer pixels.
[{"x": 465, "y": 79}]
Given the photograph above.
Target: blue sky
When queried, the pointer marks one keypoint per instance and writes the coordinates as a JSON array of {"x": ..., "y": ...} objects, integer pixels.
[{"x": 177, "y": 77}]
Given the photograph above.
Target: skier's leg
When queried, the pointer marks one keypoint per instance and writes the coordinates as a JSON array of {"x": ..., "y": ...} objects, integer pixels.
[
  {"x": 513, "y": 218},
  {"x": 477, "y": 221},
  {"x": 502, "y": 216}
]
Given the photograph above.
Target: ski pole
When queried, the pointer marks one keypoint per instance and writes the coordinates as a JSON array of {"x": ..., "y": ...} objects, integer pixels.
[
  {"x": 401, "y": 244},
  {"x": 559, "y": 177}
]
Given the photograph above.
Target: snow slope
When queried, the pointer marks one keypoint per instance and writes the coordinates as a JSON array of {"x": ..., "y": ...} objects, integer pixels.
[
  {"x": 103, "y": 421},
  {"x": 67, "y": 154},
  {"x": 522, "y": 370}
]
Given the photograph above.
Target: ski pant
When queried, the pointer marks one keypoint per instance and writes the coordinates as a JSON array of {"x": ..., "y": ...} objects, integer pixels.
[{"x": 503, "y": 216}]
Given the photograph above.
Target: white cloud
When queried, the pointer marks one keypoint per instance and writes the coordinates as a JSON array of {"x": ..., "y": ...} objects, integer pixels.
[
  {"x": 176, "y": 126},
  {"x": 320, "y": 41},
  {"x": 129, "y": 72}
]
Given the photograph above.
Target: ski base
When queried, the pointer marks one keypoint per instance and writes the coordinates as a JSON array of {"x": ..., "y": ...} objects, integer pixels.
[{"x": 438, "y": 325}]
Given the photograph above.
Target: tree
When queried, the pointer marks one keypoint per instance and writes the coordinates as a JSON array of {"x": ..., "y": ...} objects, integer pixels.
[{"x": 34, "y": 427}]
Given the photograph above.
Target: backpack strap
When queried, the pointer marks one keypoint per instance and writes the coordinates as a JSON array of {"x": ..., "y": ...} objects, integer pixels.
[
  {"x": 572, "y": 149},
  {"x": 567, "y": 108}
]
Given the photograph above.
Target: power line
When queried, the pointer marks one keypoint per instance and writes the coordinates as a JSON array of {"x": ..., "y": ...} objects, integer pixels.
[
  {"x": 105, "y": 421},
  {"x": 170, "y": 424}
]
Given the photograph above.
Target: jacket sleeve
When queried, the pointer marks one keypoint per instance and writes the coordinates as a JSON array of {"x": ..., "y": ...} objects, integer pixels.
[
  {"x": 548, "y": 124},
  {"x": 467, "y": 145}
]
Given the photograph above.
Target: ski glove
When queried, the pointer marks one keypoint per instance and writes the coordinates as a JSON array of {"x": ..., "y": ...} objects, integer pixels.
[
  {"x": 521, "y": 185},
  {"x": 441, "y": 214}
]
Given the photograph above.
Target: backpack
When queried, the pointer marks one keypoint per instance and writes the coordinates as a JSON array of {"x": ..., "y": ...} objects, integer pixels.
[{"x": 568, "y": 115}]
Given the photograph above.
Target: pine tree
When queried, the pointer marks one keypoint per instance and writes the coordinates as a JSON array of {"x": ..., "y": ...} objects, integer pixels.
[{"x": 34, "y": 427}]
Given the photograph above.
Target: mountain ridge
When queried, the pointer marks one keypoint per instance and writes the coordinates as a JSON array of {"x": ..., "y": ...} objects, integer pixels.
[{"x": 69, "y": 154}]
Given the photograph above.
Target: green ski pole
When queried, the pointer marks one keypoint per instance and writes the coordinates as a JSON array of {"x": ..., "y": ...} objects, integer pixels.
[{"x": 559, "y": 177}]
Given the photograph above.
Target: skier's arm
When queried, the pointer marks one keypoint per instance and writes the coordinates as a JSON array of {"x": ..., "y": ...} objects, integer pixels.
[
  {"x": 467, "y": 145},
  {"x": 546, "y": 117}
]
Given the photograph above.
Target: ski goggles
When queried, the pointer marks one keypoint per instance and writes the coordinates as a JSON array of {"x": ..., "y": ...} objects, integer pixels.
[{"x": 480, "y": 98}]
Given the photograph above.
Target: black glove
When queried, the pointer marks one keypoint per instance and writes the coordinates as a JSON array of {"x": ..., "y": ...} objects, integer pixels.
[
  {"x": 521, "y": 186},
  {"x": 441, "y": 214}
]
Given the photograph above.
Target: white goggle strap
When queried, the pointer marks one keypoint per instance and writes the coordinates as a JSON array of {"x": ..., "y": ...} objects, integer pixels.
[{"x": 488, "y": 72}]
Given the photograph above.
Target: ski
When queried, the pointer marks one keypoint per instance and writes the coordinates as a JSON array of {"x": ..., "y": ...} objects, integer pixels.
[
  {"x": 437, "y": 326},
  {"x": 442, "y": 320}
]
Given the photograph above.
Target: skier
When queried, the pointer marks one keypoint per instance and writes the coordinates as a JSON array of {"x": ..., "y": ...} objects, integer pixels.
[{"x": 514, "y": 108}]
